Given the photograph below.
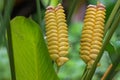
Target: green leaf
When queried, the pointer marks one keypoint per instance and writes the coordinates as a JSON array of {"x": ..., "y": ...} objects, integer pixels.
[
  {"x": 117, "y": 47},
  {"x": 31, "y": 58},
  {"x": 116, "y": 62},
  {"x": 111, "y": 50},
  {"x": 50, "y": 2},
  {"x": 118, "y": 68}
]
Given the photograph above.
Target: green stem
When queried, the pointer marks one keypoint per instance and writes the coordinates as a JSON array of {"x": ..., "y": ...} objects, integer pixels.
[
  {"x": 1, "y": 17},
  {"x": 111, "y": 17},
  {"x": 71, "y": 10},
  {"x": 85, "y": 74},
  {"x": 1, "y": 28},
  {"x": 10, "y": 50},
  {"x": 48, "y": 2},
  {"x": 6, "y": 16},
  {"x": 58, "y": 69},
  {"x": 106, "y": 41},
  {"x": 6, "y": 25},
  {"x": 54, "y": 3},
  {"x": 38, "y": 11}
]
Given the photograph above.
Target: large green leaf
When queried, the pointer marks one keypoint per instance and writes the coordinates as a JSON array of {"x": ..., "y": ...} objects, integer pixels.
[
  {"x": 31, "y": 58},
  {"x": 111, "y": 50}
]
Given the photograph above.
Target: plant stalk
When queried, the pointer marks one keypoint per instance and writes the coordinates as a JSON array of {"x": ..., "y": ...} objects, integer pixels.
[
  {"x": 1, "y": 27},
  {"x": 85, "y": 74},
  {"x": 10, "y": 50},
  {"x": 38, "y": 11},
  {"x": 6, "y": 25}
]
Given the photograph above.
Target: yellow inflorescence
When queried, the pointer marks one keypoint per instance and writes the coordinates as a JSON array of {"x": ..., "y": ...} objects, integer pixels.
[
  {"x": 57, "y": 34},
  {"x": 92, "y": 33},
  {"x": 62, "y": 35}
]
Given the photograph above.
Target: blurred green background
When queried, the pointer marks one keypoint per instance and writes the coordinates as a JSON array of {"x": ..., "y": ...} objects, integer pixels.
[{"x": 74, "y": 68}]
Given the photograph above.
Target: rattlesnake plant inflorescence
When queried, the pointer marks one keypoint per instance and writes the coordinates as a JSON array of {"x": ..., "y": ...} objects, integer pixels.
[
  {"x": 92, "y": 33},
  {"x": 57, "y": 34}
]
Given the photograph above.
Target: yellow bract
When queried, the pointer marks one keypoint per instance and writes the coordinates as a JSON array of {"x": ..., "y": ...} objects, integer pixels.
[
  {"x": 57, "y": 34},
  {"x": 92, "y": 33}
]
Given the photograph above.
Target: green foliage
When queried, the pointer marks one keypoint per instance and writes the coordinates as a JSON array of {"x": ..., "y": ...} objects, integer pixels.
[
  {"x": 1, "y": 5},
  {"x": 4, "y": 65},
  {"x": 45, "y": 2},
  {"x": 111, "y": 51},
  {"x": 50, "y": 2},
  {"x": 54, "y": 2},
  {"x": 32, "y": 61},
  {"x": 115, "y": 60},
  {"x": 5, "y": 13},
  {"x": 75, "y": 30}
]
